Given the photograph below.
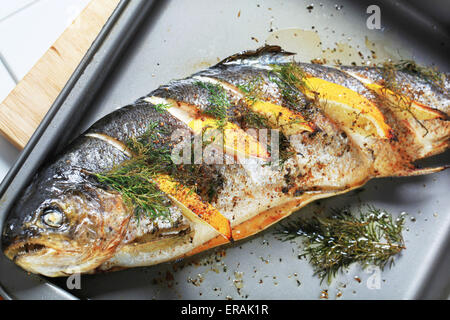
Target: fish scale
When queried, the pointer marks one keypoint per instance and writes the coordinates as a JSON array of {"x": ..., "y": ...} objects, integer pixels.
[{"x": 339, "y": 132}]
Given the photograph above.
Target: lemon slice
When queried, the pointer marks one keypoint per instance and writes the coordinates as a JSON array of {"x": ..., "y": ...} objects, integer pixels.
[
  {"x": 404, "y": 106},
  {"x": 287, "y": 121},
  {"x": 192, "y": 205},
  {"x": 348, "y": 107},
  {"x": 236, "y": 142},
  {"x": 279, "y": 117}
]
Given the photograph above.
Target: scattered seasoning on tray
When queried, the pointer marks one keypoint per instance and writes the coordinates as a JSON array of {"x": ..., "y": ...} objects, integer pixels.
[
  {"x": 238, "y": 281},
  {"x": 334, "y": 242}
]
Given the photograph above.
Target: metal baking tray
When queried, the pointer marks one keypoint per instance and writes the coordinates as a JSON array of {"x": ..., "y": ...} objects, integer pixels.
[{"x": 146, "y": 44}]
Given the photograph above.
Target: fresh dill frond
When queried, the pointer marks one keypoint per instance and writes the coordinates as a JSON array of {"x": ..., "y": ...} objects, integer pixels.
[
  {"x": 151, "y": 147},
  {"x": 291, "y": 73},
  {"x": 161, "y": 107},
  {"x": 429, "y": 74},
  {"x": 218, "y": 101},
  {"x": 388, "y": 73},
  {"x": 133, "y": 180},
  {"x": 333, "y": 243},
  {"x": 251, "y": 119},
  {"x": 251, "y": 89},
  {"x": 290, "y": 79}
]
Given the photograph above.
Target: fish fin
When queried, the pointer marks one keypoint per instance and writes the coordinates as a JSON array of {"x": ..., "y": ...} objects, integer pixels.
[
  {"x": 421, "y": 171},
  {"x": 268, "y": 54}
]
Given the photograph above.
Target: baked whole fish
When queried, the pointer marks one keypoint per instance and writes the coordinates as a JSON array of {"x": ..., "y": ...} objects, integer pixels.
[{"x": 220, "y": 156}]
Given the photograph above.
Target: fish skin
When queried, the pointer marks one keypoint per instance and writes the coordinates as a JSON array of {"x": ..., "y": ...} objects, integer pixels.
[
  {"x": 330, "y": 160},
  {"x": 411, "y": 85},
  {"x": 312, "y": 157},
  {"x": 418, "y": 139}
]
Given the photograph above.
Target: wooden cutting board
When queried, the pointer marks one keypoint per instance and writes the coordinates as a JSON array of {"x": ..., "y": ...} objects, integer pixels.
[{"x": 26, "y": 105}]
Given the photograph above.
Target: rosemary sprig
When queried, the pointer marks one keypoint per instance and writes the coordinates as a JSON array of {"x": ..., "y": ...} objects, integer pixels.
[{"x": 335, "y": 242}]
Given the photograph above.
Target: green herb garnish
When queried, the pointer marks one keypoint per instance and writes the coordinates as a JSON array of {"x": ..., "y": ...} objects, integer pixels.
[
  {"x": 250, "y": 89},
  {"x": 133, "y": 180},
  {"x": 251, "y": 119},
  {"x": 429, "y": 74},
  {"x": 335, "y": 242},
  {"x": 161, "y": 107},
  {"x": 218, "y": 101},
  {"x": 289, "y": 78},
  {"x": 389, "y": 75}
]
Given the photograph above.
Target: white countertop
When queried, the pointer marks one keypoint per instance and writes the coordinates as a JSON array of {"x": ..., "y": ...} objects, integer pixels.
[{"x": 27, "y": 29}]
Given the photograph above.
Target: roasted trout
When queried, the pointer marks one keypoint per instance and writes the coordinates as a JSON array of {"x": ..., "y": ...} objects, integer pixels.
[{"x": 220, "y": 156}]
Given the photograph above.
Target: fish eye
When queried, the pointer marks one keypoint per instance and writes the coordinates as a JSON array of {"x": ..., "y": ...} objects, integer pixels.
[{"x": 53, "y": 217}]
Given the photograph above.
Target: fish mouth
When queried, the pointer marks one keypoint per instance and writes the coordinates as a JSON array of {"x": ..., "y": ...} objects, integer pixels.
[
  {"x": 58, "y": 257},
  {"x": 25, "y": 248},
  {"x": 39, "y": 257}
]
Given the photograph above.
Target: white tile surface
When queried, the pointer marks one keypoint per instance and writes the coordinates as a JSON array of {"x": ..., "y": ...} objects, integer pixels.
[
  {"x": 9, "y": 7},
  {"x": 6, "y": 83},
  {"x": 8, "y": 154},
  {"x": 26, "y": 35}
]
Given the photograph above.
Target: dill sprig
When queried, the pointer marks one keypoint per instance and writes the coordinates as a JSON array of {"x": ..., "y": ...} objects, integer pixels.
[
  {"x": 289, "y": 79},
  {"x": 150, "y": 146},
  {"x": 251, "y": 89},
  {"x": 218, "y": 101},
  {"x": 161, "y": 107},
  {"x": 133, "y": 180},
  {"x": 334, "y": 242},
  {"x": 255, "y": 120},
  {"x": 389, "y": 75},
  {"x": 429, "y": 74}
]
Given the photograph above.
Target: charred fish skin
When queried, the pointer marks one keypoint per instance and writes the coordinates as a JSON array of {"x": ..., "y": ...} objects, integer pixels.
[{"x": 67, "y": 221}]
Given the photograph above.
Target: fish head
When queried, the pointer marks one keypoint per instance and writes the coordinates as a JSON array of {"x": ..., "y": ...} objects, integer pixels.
[{"x": 64, "y": 224}]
